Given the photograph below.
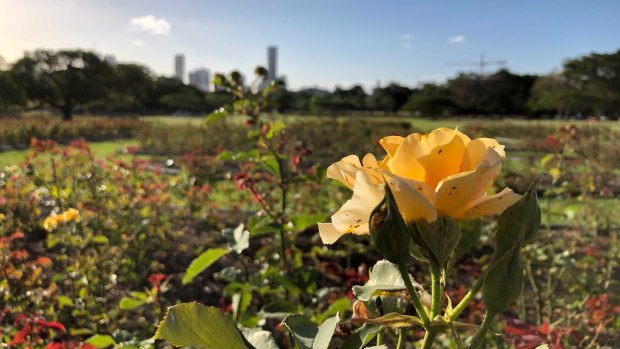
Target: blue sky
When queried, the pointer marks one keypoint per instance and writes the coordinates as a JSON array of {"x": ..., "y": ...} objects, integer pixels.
[{"x": 321, "y": 43}]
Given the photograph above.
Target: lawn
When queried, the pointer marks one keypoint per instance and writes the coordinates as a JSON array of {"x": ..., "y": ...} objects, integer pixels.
[{"x": 99, "y": 149}]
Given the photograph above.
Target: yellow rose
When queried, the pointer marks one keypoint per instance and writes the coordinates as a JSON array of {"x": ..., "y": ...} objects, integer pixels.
[
  {"x": 51, "y": 222},
  {"x": 72, "y": 215},
  {"x": 442, "y": 173}
]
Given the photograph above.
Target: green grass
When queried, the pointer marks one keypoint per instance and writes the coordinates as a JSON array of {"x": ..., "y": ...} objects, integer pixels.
[{"x": 99, "y": 149}]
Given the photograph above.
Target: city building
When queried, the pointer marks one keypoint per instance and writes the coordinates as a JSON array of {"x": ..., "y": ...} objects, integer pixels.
[
  {"x": 272, "y": 63},
  {"x": 179, "y": 67},
  {"x": 199, "y": 78}
]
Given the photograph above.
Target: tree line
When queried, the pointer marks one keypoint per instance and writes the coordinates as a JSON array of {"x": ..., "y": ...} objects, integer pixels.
[{"x": 80, "y": 81}]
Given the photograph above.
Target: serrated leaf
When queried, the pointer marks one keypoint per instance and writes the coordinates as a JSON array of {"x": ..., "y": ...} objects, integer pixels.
[
  {"x": 101, "y": 341},
  {"x": 193, "y": 324},
  {"x": 202, "y": 262}
]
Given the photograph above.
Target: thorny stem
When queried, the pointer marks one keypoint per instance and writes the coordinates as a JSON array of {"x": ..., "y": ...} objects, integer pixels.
[{"x": 415, "y": 300}]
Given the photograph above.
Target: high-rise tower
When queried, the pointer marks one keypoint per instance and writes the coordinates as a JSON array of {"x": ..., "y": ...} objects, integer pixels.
[
  {"x": 199, "y": 78},
  {"x": 179, "y": 67},
  {"x": 272, "y": 63}
]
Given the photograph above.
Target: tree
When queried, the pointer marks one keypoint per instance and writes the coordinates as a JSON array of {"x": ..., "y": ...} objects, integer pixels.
[
  {"x": 430, "y": 100},
  {"x": 389, "y": 98},
  {"x": 10, "y": 92},
  {"x": 63, "y": 79},
  {"x": 553, "y": 93},
  {"x": 131, "y": 87},
  {"x": 597, "y": 77}
]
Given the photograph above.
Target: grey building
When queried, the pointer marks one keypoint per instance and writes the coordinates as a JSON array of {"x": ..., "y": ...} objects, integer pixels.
[
  {"x": 199, "y": 78},
  {"x": 272, "y": 63},
  {"x": 179, "y": 67}
]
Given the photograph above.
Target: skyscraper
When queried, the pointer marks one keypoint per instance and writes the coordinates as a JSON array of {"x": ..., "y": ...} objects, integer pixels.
[
  {"x": 179, "y": 67},
  {"x": 272, "y": 63},
  {"x": 199, "y": 78}
]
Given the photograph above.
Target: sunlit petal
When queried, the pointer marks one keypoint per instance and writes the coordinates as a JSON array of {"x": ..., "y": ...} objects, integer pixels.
[
  {"x": 457, "y": 192},
  {"x": 329, "y": 234},
  {"x": 354, "y": 214},
  {"x": 344, "y": 170},
  {"x": 391, "y": 143},
  {"x": 412, "y": 198},
  {"x": 492, "y": 204},
  {"x": 476, "y": 150}
]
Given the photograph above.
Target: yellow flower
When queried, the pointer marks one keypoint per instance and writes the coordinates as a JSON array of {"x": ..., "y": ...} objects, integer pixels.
[
  {"x": 51, "y": 222},
  {"x": 72, "y": 215},
  {"x": 442, "y": 173}
]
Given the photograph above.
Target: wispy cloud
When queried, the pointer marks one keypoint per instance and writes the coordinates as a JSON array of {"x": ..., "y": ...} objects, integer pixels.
[
  {"x": 459, "y": 39},
  {"x": 405, "y": 40},
  {"x": 137, "y": 43},
  {"x": 150, "y": 24}
]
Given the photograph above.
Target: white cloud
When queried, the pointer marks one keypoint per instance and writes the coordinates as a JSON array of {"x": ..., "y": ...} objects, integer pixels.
[
  {"x": 151, "y": 24},
  {"x": 137, "y": 43},
  {"x": 459, "y": 39},
  {"x": 405, "y": 36}
]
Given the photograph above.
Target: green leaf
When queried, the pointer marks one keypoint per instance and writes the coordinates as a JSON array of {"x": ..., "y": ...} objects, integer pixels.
[
  {"x": 384, "y": 276},
  {"x": 128, "y": 303},
  {"x": 326, "y": 332},
  {"x": 388, "y": 229},
  {"x": 259, "y": 338},
  {"x": 361, "y": 337},
  {"x": 437, "y": 240},
  {"x": 275, "y": 128},
  {"x": 64, "y": 301},
  {"x": 202, "y": 262},
  {"x": 470, "y": 236},
  {"x": 504, "y": 278},
  {"x": 101, "y": 340},
  {"x": 503, "y": 282},
  {"x": 217, "y": 115},
  {"x": 193, "y": 324},
  {"x": 302, "y": 330},
  {"x": 339, "y": 305},
  {"x": 519, "y": 222},
  {"x": 279, "y": 309},
  {"x": 226, "y": 155},
  {"x": 100, "y": 239},
  {"x": 304, "y": 221}
]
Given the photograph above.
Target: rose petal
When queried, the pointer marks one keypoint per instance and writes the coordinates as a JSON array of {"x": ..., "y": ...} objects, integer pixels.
[
  {"x": 492, "y": 204},
  {"x": 391, "y": 143},
  {"x": 329, "y": 234},
  {"x": 412, "y": 198},
  {"x": 457, "y": 192},
  {"x": 476, "y": 150},
  {"x": 445, "y": 151},
  {"x": 354, "y": 214},
  {"x": 344, "y": 170}
]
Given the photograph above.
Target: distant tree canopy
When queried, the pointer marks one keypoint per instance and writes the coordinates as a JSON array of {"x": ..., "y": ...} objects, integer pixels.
[
  {"x": 63, "y": 79},
  {"x": 71, "y": 80}
]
